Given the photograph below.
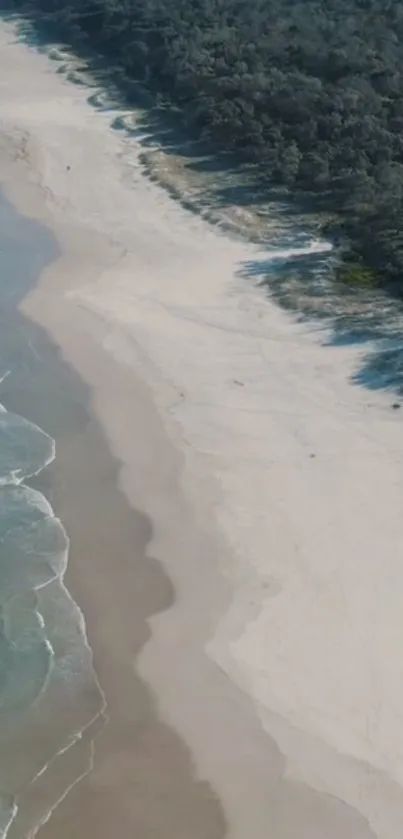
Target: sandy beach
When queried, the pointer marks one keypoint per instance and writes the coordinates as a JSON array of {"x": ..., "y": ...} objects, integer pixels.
[{"x": 233, "y": 504}]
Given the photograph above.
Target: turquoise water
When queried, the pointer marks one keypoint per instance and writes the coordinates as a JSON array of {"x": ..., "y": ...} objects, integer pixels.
[{"x": 48, "y": 691}]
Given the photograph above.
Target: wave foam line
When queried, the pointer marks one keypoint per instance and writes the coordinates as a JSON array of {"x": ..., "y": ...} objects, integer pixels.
[{"x": 17, "y": 479}]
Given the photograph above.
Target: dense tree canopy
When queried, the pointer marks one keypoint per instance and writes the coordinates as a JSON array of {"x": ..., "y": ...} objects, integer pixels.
[{"x": 310, "y": 90}]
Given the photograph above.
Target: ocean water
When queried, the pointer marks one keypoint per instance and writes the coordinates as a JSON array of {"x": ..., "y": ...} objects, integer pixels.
[{"x": 49, "y": 695}]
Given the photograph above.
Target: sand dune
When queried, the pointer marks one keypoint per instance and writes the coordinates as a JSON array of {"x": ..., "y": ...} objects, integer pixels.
[{"x": 278, "y": 513}]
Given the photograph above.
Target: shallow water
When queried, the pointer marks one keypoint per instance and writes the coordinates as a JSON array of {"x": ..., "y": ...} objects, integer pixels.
[{"x": 48, "y": 691}]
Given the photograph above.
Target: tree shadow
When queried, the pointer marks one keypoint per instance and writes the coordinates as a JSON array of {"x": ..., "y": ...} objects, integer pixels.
[
  {"x": 304, "y": 285},
  {"x": 221, "y": 187}
]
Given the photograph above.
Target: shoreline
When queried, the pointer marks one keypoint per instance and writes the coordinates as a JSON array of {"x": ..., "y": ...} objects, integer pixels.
[
  {"x": 112, "y": 305},
  {"x": 41, "y": 733}
]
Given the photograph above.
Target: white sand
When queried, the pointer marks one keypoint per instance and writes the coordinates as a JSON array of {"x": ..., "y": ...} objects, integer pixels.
[{"x": 311, "y": 548}]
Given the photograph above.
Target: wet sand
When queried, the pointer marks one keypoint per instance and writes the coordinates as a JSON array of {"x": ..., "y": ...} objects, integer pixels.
[
  {"x": 144, "y": 780},
  {"x": 184, "y": 501},
  {"x": 140, "y": 762}
]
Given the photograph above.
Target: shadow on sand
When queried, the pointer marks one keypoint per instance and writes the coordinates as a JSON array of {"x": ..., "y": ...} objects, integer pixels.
[
  {"x": 305, "y": 287},
  {"x": 216, "y": 181}
]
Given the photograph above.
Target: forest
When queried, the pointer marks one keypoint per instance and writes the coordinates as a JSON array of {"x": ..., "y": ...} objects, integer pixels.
[{"x": 310, "y": 91}]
